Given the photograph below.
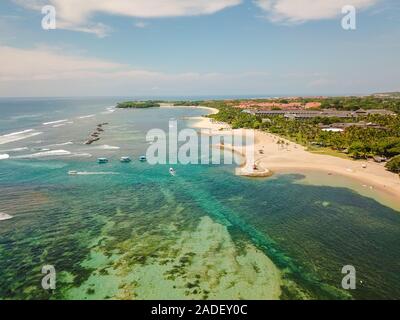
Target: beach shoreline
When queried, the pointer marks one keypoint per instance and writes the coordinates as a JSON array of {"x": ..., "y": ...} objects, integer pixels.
[
  {"x": 272, "y": 158},
  {"x": 168, "y": 105}
]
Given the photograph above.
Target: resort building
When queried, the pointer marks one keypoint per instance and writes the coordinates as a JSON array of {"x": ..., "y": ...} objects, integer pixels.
[
  {"x": 340, "y": 127},
  {"x": 307, "y": 114}
]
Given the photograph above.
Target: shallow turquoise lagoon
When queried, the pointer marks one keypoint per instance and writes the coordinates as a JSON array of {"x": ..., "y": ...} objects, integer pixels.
[{"x": 136, "y": 232}]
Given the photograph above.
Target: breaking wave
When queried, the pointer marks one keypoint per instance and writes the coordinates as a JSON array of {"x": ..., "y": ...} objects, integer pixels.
[
  {"x": 88, "y": 116},
  {"x": 4, "y": 156},
  {"x": 15, "y": 149},
  {"x": 55, "y": 122},
  {"x": 53, "y": 153},
  {"x": 20, "y": 135},
  {"x": 107, "y": 147},
  {"x": 109, "y": 110},
  {"x": 60, "y": 144}
]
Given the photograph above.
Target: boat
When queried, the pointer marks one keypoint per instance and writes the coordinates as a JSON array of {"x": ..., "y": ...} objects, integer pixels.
[
  {"x": 102, "y": 160},
  {"x": 172, "y": 171},
  {"x": 72, "y": 173},
  {"x": 143, "y": 158},
  {"x": 125, "y": 159}
]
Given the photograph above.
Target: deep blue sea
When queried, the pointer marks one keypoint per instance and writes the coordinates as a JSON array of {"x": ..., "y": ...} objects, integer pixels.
[{"x": 133, "y": 231}]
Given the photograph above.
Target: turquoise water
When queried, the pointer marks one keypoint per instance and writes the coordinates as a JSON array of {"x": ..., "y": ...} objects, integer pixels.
[{"x": 108, "y": 235}]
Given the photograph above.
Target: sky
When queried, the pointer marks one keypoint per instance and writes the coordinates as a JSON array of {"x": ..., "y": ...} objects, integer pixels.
[{"x": 198, "y": 48}]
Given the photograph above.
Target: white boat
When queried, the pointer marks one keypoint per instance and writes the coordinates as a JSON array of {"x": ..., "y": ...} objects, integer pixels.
[
  {"x": 72, "y": 173},
  {"x": 125, "y": 159},
  {"x": 143, "y": 158},
  {"x": 172, "y": 171}
]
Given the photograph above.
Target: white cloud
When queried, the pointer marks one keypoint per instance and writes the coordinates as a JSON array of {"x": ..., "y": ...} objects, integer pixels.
[
  {"x": 45, "y": 71},
  {"x": 77, "y": 14},
  {"x": 45, "y": 63},
  {"x": 298, "y": 11}
]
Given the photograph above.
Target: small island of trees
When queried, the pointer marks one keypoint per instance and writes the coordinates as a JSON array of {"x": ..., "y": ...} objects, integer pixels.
[{"x": 139, "y": 104}]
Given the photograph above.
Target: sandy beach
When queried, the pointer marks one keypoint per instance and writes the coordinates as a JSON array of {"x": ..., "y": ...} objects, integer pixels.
[
  {"x": 168, "y": 105},
  {"x": 373, "y": 180}
]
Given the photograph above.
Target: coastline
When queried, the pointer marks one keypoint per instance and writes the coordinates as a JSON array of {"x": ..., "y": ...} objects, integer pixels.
[
  {"x": 168, "y": 105},
  {"x": 373, "y": 180}
]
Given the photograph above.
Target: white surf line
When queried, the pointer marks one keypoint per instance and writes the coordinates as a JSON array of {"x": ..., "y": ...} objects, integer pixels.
[
  {"x": 88, "y": 116},
  {"x": 45, "y": 154},
  {"x": 109, "y": 110},
  {"x": 52, "y": 153},
  {"x": 4, "y": 156},
  {"x": 15, "y": 149},
  {"x": 59, "y": 125},
  {"x": 107, "y": 147},
  {"x": 54, "y": 122},
  {"x": 81, "y": 155},
  {"x": 20, "y": 135},
  {"x": 59, "y": 144}
]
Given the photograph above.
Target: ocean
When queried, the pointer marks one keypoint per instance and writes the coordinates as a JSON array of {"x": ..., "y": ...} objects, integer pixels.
[{"x": 133, "y": 231}]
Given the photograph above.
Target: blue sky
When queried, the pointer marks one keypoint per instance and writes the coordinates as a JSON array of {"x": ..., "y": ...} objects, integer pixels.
[{"x": 198, "y": 47}]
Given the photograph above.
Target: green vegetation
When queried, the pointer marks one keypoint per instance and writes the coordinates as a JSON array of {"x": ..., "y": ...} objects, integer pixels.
[
  {"x": 155, "y": 104},
  {"x": 354, "y": 103},
  {"x": 139, "y": 104},
  {"x": 359, "y": 142},
  {"x": 187, "y": 103},
  {"x": 394, "y": 164}
]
